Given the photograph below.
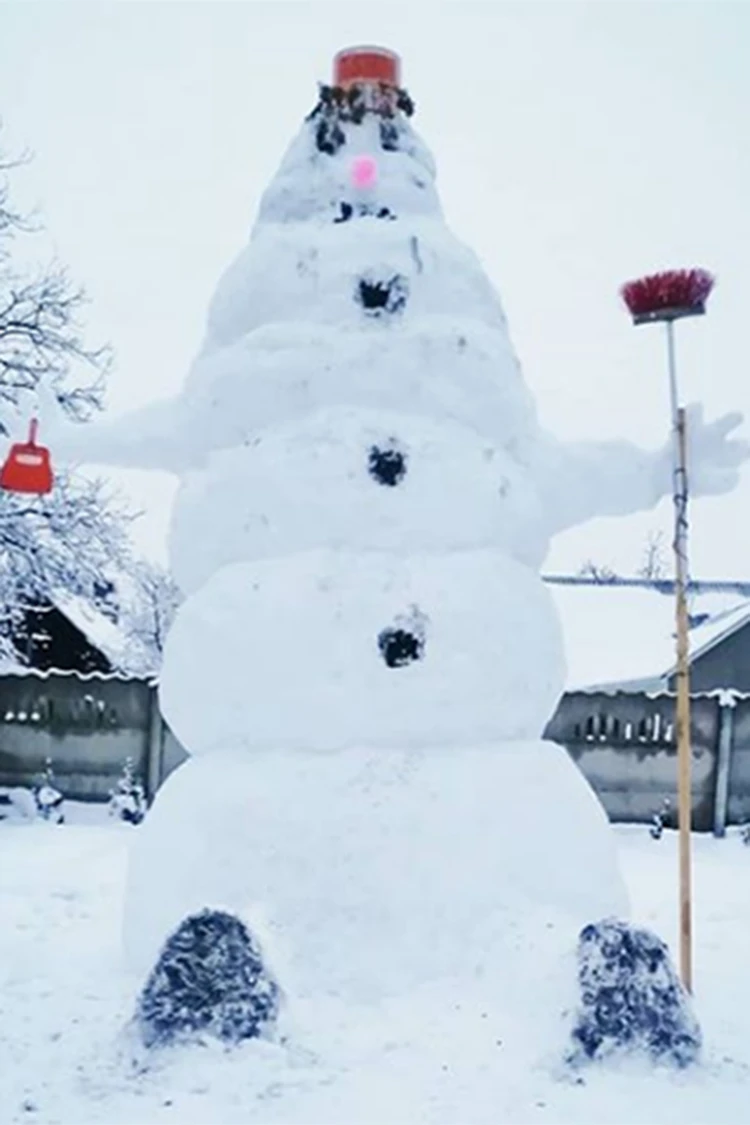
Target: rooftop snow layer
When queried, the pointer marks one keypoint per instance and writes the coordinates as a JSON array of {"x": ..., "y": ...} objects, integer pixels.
[
  {"x": 125, "y": 653},
  {"x": 616, "y": 636}
]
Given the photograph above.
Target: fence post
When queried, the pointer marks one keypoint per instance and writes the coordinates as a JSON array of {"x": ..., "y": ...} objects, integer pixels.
[
  {"x": 726, "y": 740},
  {"x": 155, "y": 744}
]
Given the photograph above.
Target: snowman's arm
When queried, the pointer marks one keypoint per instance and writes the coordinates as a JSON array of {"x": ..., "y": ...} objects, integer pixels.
[
  {"x": 582, "y": 481},
  {"x": 152, "y": 437}
]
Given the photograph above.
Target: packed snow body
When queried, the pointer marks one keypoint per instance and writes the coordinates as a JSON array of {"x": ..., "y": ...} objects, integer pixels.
[
  {"x": 300, "y": 657},
  {"x": 367, "y": 873},
  {"x": 396, "y": 482}
]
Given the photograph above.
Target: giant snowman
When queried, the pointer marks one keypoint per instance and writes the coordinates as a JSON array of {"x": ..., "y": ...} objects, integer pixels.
[{"x": 366, "y": 656}]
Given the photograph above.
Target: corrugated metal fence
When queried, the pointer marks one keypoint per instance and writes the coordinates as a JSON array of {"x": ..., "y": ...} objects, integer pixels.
[
  {"x": 88, "y": 725},
  {"x": 625, "y": 746}
]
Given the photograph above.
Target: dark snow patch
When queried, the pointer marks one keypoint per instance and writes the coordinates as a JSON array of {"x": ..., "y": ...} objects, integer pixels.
[
  {"x": 210, "y": 979},
  {"x": 631, "y": 998}
]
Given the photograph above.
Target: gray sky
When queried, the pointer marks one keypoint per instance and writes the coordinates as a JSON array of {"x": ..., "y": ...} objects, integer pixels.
[{"x": 578, "y": 145}]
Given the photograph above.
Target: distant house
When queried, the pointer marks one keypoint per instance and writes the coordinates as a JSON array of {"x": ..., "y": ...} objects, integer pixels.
[{"x": 622, "y": 638}]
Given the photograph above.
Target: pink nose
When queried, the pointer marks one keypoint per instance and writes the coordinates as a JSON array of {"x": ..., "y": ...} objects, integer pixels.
[{"x": 364, "y": 171}]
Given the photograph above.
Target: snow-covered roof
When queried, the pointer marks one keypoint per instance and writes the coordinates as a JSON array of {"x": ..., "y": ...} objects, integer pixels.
[
  {"x": 619, "y": 637},
  {"x": 124, "y": 652},
  {"x": 22, "y": 671}
]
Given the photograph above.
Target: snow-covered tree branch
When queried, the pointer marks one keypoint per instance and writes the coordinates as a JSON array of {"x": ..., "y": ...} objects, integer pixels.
[
  {"x": 41, "y": 336},
  {"x": 67, "y": 541},
  {"x": 147, "y": 612},
  {"x": 74, "y": 539}
]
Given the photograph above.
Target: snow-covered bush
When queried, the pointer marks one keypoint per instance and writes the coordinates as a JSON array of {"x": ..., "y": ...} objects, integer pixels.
[
  {"x": 631, "y": 998},
  {"x": 127, "y": 801},
  {"x": 660, "y": 819},
  {"x": 209, "y": 978},
  {"x": 50, "y": 802},
  {"x": 23, "y": 803}
]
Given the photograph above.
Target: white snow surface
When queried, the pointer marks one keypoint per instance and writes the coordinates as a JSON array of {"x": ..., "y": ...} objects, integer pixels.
[
  {"x": 284, "y": 653},
  {"x": 375, "y": 872},
  {"x": 307, "y": 484},
  {"x": 309, "y": 184},
  {"x": 443, "y": 1054},
  {"x": 623, "y": 637},
  {"x": 292, "y": 271}
]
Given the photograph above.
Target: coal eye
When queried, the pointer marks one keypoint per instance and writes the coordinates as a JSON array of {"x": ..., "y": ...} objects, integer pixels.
[
  {"x": 387, "y": 465},
  {"x": 400, "y": 646},
  {"x": 377, "y": 297}
]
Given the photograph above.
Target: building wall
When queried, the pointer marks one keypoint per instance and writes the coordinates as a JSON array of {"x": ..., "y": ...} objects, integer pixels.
[{"x": 727, "y": 665}]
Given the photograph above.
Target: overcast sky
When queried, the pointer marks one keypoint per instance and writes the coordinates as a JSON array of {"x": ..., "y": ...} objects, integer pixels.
[{"x": 578, "y": 145}]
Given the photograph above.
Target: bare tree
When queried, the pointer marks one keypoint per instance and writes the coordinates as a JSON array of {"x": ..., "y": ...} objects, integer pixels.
[
  {"x": 73, "y": 539},
  {"x": 597, "y": 572},
  {"x": 147, "y": 613},
  {"x": 41, "y": 337},
  {"x": 654, "y": 565}
]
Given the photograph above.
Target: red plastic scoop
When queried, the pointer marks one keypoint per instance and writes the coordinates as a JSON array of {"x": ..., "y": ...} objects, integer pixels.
[{"x": 27, "y": 467}]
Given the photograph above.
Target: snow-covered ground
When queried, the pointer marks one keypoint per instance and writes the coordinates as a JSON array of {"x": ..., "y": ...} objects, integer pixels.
[{"x": 64, "y": 1003}]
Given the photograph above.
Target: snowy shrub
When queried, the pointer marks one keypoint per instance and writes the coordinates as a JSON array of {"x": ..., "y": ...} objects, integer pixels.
[
  {"x": 631, "y": 998},
  {"x": 377, "y": 297},
  {"x": 209, "y": 978},
  {"x": 49, "y": 800},
  {"x": 127, "y": 801},
  {"x": 660, "y": 819},
  {"x": 23, "y": 803},
  {"x": 387, "y": 464},
  {"x": 745, "y": 832}
]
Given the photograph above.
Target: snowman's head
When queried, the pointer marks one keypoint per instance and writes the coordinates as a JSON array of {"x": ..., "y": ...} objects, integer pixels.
[{"x": 356, "y": 153}]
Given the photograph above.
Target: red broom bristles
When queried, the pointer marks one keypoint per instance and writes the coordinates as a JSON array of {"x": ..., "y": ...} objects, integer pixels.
[{"x": 672, "y": 289}]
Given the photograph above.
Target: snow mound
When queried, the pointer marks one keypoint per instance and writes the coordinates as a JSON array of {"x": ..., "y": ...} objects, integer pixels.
[
  {"x": 369, "y": 873},
  {"x": 354, "y": 480},
  {"x": 209, "y": 978},
  {"x": 441, "y": 367},
  {"x": 284, "y": 653},
  {"x": 631, "y": 997}
]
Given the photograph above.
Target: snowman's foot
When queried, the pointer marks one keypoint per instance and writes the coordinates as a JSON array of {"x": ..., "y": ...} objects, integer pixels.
[
  {"x": 209, "y": 979},
  {"x": 631, "y": 999}
]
